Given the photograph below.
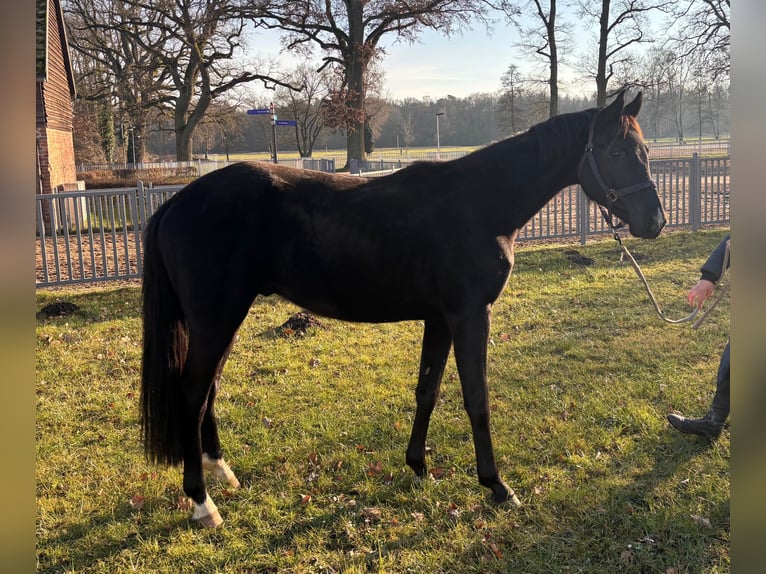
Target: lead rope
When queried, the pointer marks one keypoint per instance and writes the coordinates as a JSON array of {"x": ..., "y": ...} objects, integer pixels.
[{"x": 652, "y": 298}]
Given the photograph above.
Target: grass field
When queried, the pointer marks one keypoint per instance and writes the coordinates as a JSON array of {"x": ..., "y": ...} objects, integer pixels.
[{"x": 582, "y": 374}]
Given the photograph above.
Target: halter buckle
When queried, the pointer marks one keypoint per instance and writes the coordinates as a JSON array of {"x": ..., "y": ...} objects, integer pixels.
[{"x": 611, "y": 195}]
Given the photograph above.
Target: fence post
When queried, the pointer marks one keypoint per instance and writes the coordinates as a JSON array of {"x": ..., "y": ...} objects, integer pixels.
[
  {"x": 138, "y": 226},
  {"x": 695, "y": 192},
  {"x": 583, "y": 218},
  {"x": 353, "y": 166}
]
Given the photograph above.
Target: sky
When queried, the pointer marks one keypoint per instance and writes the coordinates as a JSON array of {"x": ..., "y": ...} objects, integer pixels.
[
  {"x": 433, "y": 66},
  {"x": 466, "y": 63}
]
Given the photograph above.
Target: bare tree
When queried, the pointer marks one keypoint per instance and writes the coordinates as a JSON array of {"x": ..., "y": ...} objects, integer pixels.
[
  {"x": 202, "y": 38},
  {"x": 654, "y": 67},
  {"x": 221, "y": 126},
  {"x": 544, "y": 38},
  {"x": 622, "y": 24},
  {"x": 178, "y": 55},
  {"x": 508, "y": 105},
  {"x": 349, "y": 33},
  {"x": 306, "y": 106},
  {"x": 703, "y": 27},
  {"x": 679, "y": 72},
  {"x": 112, "y": 66}
]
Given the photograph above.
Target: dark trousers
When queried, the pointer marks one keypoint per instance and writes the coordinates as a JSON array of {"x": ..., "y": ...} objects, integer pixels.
[{"x": 720, "y": 406}]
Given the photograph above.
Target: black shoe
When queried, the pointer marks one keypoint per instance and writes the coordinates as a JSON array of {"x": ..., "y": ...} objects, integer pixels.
[{"x": 708, "y": 426}]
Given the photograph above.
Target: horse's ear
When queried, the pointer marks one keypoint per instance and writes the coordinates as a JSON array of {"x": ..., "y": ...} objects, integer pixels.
[
  {"x": 612, "y": 112},
  {"x": 633, "y": 107}
]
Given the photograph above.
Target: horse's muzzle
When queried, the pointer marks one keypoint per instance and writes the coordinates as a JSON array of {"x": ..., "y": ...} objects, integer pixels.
[{"x": 652, "y": 227}]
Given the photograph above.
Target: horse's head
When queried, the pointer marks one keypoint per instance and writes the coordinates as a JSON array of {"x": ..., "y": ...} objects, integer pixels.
[{"x": 614, "y": 170}]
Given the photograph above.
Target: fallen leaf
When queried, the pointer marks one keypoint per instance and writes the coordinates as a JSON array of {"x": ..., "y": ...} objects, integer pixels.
[
  {"x": 374, "y": 468},
  {"x": 305, "y": 499},
  {"x": 184, "y": 503},
  {"x": 418, "y": 516},
  {"x": 371, "y": 515},
  {"x": 314, "y": 459},
  {"x": 626, "y": 556},
  {"x": 137, "y": 501},
  {"x": 267, "y": 422},
  {"x": 671, "y": 570},
  {"x": 701, "y": 521},
  {"x": 495, "y": 550},
  {"x": 437, "y": 472},
  {"x": 453, "y": 510},
  {"x": 388, "y": 478}
]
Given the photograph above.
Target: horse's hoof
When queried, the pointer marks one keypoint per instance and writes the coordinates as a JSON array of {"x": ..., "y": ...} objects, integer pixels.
[
  {"x": 206, "y": 514},
  {"x": 419, "y": 468},
  {"x": 221, "y": 471},
  {"x": 213, "y": 520},
  {"x": 502, "y": 494},
  {"x": 513, "y": 500}
]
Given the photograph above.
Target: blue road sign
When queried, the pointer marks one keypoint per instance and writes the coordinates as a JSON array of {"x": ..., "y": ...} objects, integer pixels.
[
  {"x": 259, "y": 111},
  {"x": 286, "y": 123}
]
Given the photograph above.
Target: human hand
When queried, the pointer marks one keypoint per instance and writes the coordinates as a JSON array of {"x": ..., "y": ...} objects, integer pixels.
[{"x": 700, "y": 292}]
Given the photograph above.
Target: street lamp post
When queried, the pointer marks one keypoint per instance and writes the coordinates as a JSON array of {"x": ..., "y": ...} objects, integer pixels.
[
  {"x": 133, "y": 145},
  {"x": 438, "y": 146}
]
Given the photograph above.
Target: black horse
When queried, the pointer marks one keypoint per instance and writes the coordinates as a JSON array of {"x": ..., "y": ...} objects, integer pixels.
[{"x": 431, "y": 242}]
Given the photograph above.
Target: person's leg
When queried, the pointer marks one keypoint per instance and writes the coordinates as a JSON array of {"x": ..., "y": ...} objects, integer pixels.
[{"x": 712, "y": 422}]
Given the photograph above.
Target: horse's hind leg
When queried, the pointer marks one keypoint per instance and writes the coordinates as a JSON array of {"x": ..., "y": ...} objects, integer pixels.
[
  {"x": 212, "y": 455},
  {"x": 206, "y": 351},
  {"x": 436, "y": 346}
]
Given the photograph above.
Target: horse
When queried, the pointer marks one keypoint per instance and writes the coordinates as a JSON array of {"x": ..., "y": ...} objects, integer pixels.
[{"x": 432, "y": 242}]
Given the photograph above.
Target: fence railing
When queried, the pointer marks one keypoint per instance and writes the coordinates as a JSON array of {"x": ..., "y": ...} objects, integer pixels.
[
  {"x": 94, "y": 236},
  {"x": 203, "y": 166}
]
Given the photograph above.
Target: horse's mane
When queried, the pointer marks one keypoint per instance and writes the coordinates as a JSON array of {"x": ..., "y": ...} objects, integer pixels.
[{"x": 557, "y": 135}]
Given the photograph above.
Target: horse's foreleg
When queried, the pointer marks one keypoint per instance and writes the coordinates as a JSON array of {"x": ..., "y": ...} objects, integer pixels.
[
  {"x": 471, "y": 335},
  {"x": 436, "y": 346},
  {"x": 212, "y": 456}
]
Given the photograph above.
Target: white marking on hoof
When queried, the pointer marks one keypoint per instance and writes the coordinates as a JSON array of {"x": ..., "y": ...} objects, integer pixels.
[
  {"x": 514, "y": 500},
  {"x": 220, "y": 470},
  {"x": 206, "y": 514}
]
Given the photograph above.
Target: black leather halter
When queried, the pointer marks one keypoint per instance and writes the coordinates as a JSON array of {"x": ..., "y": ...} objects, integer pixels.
[{"x": 611, "y": 194}]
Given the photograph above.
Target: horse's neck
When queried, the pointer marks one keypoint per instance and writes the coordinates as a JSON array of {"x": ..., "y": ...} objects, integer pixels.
[{"x": 517, "y": 180}]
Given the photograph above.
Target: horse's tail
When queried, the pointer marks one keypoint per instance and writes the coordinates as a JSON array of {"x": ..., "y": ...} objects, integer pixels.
[{"x": 164, "y": 353}]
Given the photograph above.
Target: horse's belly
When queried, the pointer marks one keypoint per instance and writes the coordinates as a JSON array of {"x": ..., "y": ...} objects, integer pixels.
[{"x": 360, "y": 303}]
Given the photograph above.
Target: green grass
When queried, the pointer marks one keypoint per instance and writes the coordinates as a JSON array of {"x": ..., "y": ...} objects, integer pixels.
[{"x": 581, "y": 371}]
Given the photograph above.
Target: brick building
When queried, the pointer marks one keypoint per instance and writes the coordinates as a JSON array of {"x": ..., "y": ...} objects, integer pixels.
[{"x": 54, "y": 94}]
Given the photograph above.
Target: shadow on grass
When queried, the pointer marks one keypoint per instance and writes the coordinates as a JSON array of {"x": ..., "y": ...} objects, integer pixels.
[
  {"x": 103, "y": 304},
  {"x": 627, "y": 531}
]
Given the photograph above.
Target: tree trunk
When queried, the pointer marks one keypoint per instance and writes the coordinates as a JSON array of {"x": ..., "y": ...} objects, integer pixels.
[
  {"x": 355, "y": 69},
  {"x": 554, "y": 78},
  {"x": 601, "y": 78}
]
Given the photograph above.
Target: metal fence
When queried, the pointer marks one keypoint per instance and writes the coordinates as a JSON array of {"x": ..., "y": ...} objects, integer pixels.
[
  {"x": 95, "y": 236},
  {"x": 203, "y": 166}
]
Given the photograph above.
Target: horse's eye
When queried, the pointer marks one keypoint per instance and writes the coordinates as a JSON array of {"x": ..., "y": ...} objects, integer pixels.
[{"x": 616, "y": 153}]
